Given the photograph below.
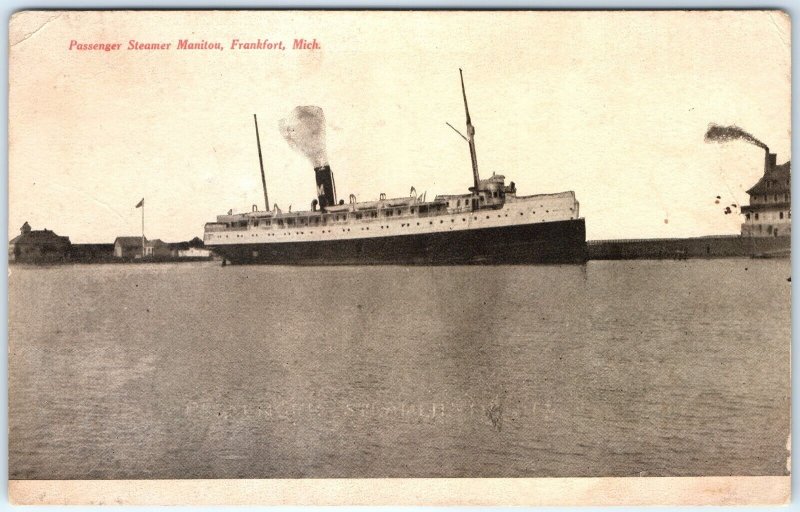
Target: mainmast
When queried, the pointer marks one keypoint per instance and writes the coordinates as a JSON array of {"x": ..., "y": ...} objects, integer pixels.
[
  {"x": 261, "y": 163},
  {"x": 470, "y": 136}
]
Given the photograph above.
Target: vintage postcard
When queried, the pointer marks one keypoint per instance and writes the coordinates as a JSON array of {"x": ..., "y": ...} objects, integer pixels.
[{"x": 363, "y": 257}]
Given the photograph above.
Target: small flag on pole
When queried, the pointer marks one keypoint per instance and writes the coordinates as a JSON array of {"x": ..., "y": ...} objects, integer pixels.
[{"x": 140, "y": 203}]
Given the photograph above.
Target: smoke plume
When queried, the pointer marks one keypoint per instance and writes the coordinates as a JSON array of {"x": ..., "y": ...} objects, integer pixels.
[
  {"x": 717, "y": 133},
  {"x": 304, "y": 130}
]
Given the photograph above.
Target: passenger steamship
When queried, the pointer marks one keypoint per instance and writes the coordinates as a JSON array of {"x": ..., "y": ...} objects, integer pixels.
[{"x": 489, "y": 225}]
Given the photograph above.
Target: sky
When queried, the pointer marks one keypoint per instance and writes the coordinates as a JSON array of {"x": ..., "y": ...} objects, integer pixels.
[{"x": 613, "y": 106}]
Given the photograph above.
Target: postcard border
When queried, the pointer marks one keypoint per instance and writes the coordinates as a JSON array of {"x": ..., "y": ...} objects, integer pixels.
[
  {"x": 698, "y": 491},
  {"x": 734, "y": 490}
]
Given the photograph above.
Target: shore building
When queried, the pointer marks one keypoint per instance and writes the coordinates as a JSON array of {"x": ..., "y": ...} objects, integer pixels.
[
  {"x": 38, "y": 246},
  {"x": 770, "y": 210}
]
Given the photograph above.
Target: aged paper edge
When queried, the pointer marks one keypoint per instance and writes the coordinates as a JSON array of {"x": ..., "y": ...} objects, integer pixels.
[{"x": 736, "y": 490}]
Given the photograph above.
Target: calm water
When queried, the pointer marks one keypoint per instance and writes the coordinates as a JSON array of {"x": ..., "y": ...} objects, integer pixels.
[{"x": 618, "y": 368}]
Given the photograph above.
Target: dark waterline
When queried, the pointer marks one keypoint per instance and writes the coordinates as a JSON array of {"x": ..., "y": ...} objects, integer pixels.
[{"x": 614, "y": 368}]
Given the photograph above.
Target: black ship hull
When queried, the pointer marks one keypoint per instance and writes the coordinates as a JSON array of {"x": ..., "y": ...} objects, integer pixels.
[{"x": 548, "y": 242}]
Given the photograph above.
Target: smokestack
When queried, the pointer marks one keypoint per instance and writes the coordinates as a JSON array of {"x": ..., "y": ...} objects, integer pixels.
[
  {"x": 326, "y": 188},
  {"x": 304, "y": 130}
]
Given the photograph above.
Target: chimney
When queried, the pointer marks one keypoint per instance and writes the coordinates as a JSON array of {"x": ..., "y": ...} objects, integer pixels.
[
  {"x": 326, "y": 188},
  {"x": 770, "y": 159}
]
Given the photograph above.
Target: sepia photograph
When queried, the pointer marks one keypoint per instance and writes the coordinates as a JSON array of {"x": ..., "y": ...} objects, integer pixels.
[{"x": 399, "y": 257}]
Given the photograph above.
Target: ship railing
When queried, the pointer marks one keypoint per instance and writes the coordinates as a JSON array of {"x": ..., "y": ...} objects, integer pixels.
[
  {"x": 559, "y": 195},
  {"x": 214, "y": 227},
  {"x": 223, "y": 227}
]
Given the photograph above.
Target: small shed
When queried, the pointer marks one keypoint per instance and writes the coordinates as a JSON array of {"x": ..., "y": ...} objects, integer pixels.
[
  {"x": 128, "y": 247},
  {"x": 156, "y": 249}
]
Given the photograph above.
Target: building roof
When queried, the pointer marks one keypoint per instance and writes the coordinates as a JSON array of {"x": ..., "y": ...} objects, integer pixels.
[
  {"x": 775, "y": 181},
  {"x": 182, "y": 246},
  {"x": 129, "y": 241},
  {"x": 106, "y": 247},
  {"x": 38, "y": 237},
  {"x": 136, "y": 242}
]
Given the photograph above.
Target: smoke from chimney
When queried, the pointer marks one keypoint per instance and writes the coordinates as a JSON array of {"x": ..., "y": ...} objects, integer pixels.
[
  {"x": 304, "y": 130},
  {"x": 717, "y": 133}
]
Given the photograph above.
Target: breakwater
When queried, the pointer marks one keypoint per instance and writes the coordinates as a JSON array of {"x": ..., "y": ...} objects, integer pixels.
[{"x": 722, "y": 246}]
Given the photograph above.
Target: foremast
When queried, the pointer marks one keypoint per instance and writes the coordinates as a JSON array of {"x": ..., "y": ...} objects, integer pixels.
[{"x": 470, "y": 137}]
